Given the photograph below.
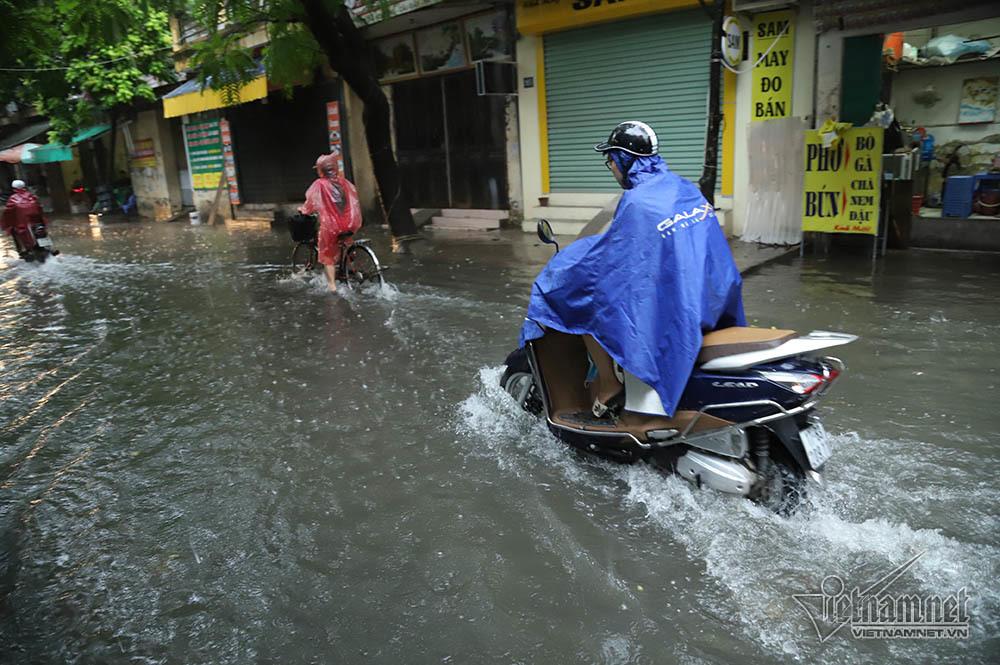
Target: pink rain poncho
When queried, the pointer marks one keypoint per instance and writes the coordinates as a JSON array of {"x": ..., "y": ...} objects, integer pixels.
[
  {"x": 22, "y": 212},
  {"x": 335, "y": 200}
]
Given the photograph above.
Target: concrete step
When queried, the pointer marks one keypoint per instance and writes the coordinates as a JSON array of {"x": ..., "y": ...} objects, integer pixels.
[
  {"x": 560, "y": 227},
  {"x": 423, "y": 216},
  {"x": 473, "y": 213},
  {"x": 254, "y": 214},
  {"x": 566, "y": 213},
  {"x": 464, "y": 223},
  {"x": 591, "y": 199}
]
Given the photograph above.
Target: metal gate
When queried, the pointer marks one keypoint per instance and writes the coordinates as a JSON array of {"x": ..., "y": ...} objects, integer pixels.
[{"x": 654, "y": 69}]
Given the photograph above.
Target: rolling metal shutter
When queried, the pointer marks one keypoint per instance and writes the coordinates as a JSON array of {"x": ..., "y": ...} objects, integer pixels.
[
  {"x": 277, "y": 143},
  {"x": 654, "y": 69}
]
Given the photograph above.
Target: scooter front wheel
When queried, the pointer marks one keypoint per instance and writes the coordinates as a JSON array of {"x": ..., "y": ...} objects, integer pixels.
[{"x": 521, "y": 386}]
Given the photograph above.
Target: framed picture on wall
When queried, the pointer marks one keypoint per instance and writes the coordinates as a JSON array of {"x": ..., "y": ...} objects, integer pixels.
[
  {"x": 441, "y": 47},
  {"x": 979, "y": 100},
  {"x": 395, "y": 57}
]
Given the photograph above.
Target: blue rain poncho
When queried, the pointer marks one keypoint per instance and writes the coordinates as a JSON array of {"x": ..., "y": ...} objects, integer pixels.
[{"x": 649, "y": 287}]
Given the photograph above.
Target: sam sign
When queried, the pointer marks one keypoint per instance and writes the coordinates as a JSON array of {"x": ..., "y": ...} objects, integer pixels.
[
  {"x": 773, "y": 48},
  {"x": 732, "y": 41},
  {"x": 842, "y": 184}
]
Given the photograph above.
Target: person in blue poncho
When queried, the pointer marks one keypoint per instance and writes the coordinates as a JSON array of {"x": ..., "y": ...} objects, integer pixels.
[{"x": 648, "y": 288}]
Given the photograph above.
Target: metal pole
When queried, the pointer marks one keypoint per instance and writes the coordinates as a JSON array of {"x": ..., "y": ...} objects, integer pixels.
[
  {"x": 888, "y": 215},
  {"x": 710, "y": 166},
  {"x": 447, "y": 152}
]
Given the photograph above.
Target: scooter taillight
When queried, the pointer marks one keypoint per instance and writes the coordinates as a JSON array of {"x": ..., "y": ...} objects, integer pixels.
[
  {"x": 817, "y": 381},
  {"x": 801, "y": 383}
]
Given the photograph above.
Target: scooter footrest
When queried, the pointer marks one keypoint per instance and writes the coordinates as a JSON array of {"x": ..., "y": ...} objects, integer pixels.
[{"x": 585, "y": 419}]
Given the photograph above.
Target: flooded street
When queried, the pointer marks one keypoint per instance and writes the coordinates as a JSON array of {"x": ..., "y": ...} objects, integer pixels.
[{"x": 205, "y": 460}]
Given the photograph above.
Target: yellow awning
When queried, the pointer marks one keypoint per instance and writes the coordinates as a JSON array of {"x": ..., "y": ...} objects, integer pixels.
[{"x": 189, "y": 98}]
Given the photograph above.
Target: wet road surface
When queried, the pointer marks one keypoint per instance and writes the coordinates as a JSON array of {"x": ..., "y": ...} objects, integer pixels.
[{"x": 203, "y": 460}]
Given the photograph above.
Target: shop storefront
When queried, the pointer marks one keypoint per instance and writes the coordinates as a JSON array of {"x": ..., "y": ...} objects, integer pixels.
[
  {"x": 451, "y": 128},
  {"x": 583, "y": 68},
  {"x": 934, "y": 72},
  {"x": 64, "y": 176},
  {"x": 257, "y": 152},
  {"x": 653, "y": 69},
  {"x": 276, "y": 142}
]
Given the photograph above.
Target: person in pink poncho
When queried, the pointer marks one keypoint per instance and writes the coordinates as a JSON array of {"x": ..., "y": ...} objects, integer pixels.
[
  {"x": 335, "y": 200},
  {"x": 22, "y": 212}
]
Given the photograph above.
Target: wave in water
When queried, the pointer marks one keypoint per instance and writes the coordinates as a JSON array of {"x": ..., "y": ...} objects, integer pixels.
[{"x": 855, "y": 527}]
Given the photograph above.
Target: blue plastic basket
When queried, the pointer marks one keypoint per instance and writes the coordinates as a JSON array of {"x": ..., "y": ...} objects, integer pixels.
[{"x": 958, "y": 196}]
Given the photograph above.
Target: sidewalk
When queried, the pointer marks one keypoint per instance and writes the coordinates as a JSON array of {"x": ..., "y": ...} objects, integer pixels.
[{"x": 750, "y": 256}]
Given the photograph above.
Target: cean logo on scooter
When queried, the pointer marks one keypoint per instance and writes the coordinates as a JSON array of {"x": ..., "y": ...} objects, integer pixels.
[{"x": 735, "y": 384}]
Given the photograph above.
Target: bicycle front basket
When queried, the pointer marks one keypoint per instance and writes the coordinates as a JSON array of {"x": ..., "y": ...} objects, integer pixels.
[{"x": 302, "y": 227}]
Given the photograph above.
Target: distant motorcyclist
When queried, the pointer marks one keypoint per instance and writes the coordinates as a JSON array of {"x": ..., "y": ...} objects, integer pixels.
[
  {"x": 22, "y": 213},
  {"x": 335, "y": 200},
  {"x": 652, "y": 284}
]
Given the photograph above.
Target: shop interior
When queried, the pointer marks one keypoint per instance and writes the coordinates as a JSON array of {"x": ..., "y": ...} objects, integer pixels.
[{"x": 935, "y": 92}]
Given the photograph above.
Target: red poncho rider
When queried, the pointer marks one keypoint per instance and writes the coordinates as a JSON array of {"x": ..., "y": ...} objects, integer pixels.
[
  {"x": 334, "y": 199},
  {"x": 21, "y": 214}
]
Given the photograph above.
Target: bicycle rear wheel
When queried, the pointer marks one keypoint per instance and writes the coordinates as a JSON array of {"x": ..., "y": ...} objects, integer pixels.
[
  {"x": 304, "y": 257},
  {"x": 361, "y": 265}
]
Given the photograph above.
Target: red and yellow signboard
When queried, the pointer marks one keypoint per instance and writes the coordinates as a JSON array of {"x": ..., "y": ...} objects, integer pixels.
[
  {"x": 842, "y": 185},
  {"x": 144, "y": 154},
  {"x": 336, "y": 138}
]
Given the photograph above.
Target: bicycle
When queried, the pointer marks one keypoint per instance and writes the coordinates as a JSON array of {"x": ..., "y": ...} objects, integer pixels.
[{"x": 357, "y": 264}]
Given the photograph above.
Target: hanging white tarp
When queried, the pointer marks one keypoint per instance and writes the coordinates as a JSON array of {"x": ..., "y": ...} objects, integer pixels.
[{"x": 774, "y": 203}]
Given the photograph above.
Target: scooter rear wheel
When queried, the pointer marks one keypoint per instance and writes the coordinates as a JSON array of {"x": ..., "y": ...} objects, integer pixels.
[{"x": 783, "y": 489}]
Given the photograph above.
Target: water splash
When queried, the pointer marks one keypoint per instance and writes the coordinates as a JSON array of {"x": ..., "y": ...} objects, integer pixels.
[{"x": 850, "y": 528}]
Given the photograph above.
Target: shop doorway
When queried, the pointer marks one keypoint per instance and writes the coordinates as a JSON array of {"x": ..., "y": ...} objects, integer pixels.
[
  {"x": 450, "y": 143},
  {"x": 277, "y": 141}
]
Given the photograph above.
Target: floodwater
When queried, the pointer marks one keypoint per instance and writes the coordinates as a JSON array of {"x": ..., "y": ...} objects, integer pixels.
[{"x": 203, "y": 460}]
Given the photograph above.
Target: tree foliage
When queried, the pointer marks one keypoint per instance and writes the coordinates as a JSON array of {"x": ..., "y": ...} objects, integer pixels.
[{"x": 79, "y": 59}]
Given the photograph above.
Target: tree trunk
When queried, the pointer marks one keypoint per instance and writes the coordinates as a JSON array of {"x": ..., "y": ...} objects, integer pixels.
[
  {"x": 708, "y": 175},
  {"x": 350, "y": 56}
]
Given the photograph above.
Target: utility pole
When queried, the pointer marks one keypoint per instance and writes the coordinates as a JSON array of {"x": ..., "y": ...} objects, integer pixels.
[{"x": 706, "y": 183}]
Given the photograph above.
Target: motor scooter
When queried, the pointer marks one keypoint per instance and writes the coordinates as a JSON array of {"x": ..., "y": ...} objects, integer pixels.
[
  {"x": 746, "y": 423},
  {"x": 33, "y": 242}
]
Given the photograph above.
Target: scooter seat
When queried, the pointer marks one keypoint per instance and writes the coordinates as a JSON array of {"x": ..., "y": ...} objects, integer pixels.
[{"x": 731, "y": 341}]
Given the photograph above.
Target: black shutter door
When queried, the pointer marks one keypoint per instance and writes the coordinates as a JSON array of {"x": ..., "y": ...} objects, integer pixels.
[{"x": 277, "y": 143}]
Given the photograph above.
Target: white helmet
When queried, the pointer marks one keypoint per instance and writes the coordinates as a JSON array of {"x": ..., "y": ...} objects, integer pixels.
[{"x": 18, "y": 184}]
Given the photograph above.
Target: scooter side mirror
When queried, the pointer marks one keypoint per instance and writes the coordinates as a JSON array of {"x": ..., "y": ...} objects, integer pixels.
[{"x": 545, "y": 233}]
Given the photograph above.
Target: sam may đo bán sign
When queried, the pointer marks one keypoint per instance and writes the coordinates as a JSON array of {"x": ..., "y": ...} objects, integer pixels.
[
  {"x": 842, "y": 185},
  {"x": 773, "y": 50}
]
